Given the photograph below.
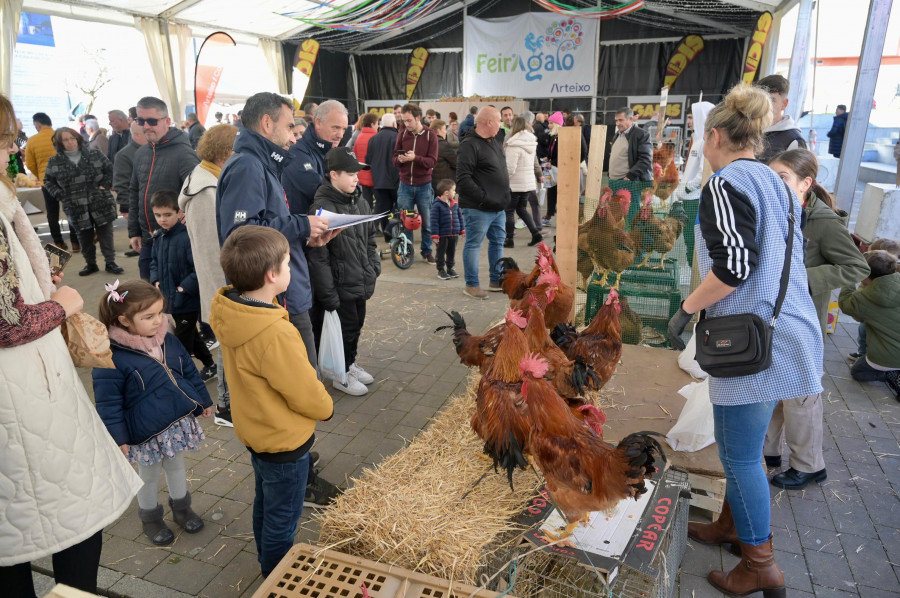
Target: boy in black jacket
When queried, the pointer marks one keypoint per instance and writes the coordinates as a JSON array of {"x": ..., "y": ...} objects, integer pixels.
[{"x": 343, "y": 272}]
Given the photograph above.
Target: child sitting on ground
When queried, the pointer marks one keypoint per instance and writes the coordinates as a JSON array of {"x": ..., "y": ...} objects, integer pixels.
[
  {"x": 446, "y": 227},
  {"x": 172, "y": 270},
  {"x": 276, "y": 397},
  {"x": 877, "y": 305},
  {"x": 892, "y": 247},
  {"x": 150, "y": 410},
  {"x": 343, "y": 272}
]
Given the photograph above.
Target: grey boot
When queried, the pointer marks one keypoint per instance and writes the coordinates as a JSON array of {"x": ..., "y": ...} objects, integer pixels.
[
  {"x": 154, "y": 527},
  {"x": 184, "y": 515}
]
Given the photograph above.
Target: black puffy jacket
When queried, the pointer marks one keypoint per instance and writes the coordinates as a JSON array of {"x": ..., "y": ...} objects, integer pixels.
[
  {"x": 482, "y": 180},
  {"x": 346, "y": 268}
]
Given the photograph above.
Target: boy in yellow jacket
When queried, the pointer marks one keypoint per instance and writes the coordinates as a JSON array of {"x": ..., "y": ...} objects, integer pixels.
[{"x": 276, "y": 397}]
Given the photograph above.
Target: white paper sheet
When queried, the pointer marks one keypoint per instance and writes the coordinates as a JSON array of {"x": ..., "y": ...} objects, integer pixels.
[{"x": 344, "y": 220}]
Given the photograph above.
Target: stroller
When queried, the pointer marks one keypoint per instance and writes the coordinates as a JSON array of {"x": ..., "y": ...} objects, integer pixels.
[{"x": 402, "y": 251}]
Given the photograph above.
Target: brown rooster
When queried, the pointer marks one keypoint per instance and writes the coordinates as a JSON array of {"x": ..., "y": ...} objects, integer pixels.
[
  {"x": 569, "y": 377},
  {"x": 500, "y": 419},
  {"x": 561, "y": 298},
  {"x": 665, "y": 173},
  {"x": 479, "y": 351},
  {"x": 600, "y": 344},
  {"x": 583, "y": 473},
  {"x": 652, "y": 234},
  {"x": 514, "y": 282},
  {"x": 618, "y": 208},
  {"x": 609, "y": 248}
]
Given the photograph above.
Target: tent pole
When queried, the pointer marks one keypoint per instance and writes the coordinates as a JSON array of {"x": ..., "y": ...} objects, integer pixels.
[
  {"x": 465, "y": 33},
  {"x": 596, "y": 70},
  {"x": 861, "y": 107},
  {"x": 800, "y": 60}
]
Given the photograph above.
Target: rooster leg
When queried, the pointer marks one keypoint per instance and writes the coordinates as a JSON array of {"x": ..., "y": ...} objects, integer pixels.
[
  {"x": 662, "y": 262},
  {"x": 602, "y": 281},
  {"x": 646, "y": 261},
  {"x": 616, "y": 284},
  {"x": 565, "y": 532}
]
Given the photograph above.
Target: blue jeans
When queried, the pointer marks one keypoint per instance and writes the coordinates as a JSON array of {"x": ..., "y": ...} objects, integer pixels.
[
  {"x": 145, "y": 258},
  {"x": 861, "y": 341},
  {"x": 740, "y": 433},
  {"x": 421, "y": 196},
  {"x": 280, "y": 488},
  {"x": 479, "y": 224}
]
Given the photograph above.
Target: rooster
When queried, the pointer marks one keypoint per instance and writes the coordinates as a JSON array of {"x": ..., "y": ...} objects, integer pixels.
[
  {"x": 665, "y": 173},
  {"x": 560, "y": 297},
  {"x": 478, "y": 351},
  {"x": 500, "y": 419},
  {"x": 654, "y": 235},
  {"x": 569, "y": 377},
  {"x": 618, "y": 209},
  {"x": 600, "y": 344},
  {"x": 583, "y": 473},
  {"x": 609, "y": 248},
  {"x": 514, "y": 282}
]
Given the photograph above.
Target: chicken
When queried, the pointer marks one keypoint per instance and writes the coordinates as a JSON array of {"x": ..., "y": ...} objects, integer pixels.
[
  {"x": 478, "y": 351},
  {"x": 654, "y": 235},
  {"x": 500, "y": 419},
  {"x": 561, "y": 298},
  {"x": 632, "y": 325},
  {"x": 665, "y": 179},
  {"x": 618, "y": 209},
  {"x": 609, "y": 248},
  {"x": 600, "y": 344},
  {"x": 514, "y": 282},
  {"x": 583, "y": 473},
  {"x": 569, "y": 377}
]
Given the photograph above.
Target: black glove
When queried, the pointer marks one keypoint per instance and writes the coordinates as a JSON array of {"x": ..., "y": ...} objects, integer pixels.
[{"x": 677, "y": 325}]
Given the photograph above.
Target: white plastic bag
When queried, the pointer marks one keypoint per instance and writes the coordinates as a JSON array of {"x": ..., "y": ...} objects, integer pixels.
[
  {"x": 331, "y": 349},
  {"x": 542, "y": 196},
  {"x": 694, "y": 429},
  {"x": 687, "y": 361}
]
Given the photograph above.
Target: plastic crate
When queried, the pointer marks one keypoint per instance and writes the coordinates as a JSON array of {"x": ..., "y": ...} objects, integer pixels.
[
  {"x": 312, "y": 572},
  {"x": 640, "y": 574}
]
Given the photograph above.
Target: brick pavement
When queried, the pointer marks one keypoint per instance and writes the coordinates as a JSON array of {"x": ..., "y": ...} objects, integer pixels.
[{"x": 840, "y": 538}]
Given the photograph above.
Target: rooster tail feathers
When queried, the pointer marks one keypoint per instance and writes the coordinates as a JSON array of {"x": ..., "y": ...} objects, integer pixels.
[
  {"x": 459, "y": 323},
  {"x": 640, "y": 449},
  {"x": 503, "y": 265},
  {"x": 509, "y": 458},
  {"x": 563, "y": 334}
]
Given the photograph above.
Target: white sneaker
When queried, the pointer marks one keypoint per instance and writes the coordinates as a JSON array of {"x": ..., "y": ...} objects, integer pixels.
[
  {"x": 353, "y": 387},
  {"x": 361, "y": 374}
]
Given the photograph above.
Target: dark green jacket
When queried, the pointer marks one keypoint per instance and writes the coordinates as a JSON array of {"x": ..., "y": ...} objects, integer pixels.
[
  {"x": 832, "y": 260},
  {"x": 877, "y": 305}
]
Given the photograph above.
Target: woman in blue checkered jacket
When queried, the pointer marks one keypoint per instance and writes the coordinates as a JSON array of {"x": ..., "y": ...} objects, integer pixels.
[{"x": 743, "y": 220}]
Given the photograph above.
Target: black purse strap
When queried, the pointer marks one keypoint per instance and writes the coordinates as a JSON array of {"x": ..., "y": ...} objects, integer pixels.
[{"x": 786, "y": 268}]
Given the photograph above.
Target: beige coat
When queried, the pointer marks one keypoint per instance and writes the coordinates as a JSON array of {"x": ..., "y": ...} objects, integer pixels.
[
  {"x": 198, "y": 201},
  {"x": 62, "y": 478}
]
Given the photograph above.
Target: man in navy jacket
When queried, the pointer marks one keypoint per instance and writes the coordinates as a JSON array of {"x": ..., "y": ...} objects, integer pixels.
[{"x": 250, "y": 192}]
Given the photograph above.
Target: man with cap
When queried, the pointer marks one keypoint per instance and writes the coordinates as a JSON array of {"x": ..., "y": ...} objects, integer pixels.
[{"x": 343, "y": 272}]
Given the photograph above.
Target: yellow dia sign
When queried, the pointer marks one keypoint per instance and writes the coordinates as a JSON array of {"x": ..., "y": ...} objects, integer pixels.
[
  {"x": 757, "y": 43},
  {"x": 686, "y": 50},
  {"x": 417, "y": 61}
]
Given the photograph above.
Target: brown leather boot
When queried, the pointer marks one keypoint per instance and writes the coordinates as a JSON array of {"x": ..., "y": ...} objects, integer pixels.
[
  {"x": 756, "y": 572},
  {"x": 720, "y": 531}
]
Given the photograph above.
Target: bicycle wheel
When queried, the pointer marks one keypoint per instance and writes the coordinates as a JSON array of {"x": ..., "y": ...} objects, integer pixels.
[{"x": 401, "y": 253}]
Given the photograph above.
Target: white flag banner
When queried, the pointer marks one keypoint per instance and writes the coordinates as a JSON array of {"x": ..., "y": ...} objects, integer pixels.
[{"x": 532, "y": 55}]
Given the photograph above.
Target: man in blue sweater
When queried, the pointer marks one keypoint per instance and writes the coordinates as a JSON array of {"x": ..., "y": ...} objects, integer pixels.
[{"x": 250, "y": 192}]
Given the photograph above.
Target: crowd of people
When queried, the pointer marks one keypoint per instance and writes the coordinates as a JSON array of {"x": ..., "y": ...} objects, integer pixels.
[{"x": 228, "y": 227}]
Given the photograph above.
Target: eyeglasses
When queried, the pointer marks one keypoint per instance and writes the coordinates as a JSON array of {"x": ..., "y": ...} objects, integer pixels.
[{"x": 150, "y": 121}]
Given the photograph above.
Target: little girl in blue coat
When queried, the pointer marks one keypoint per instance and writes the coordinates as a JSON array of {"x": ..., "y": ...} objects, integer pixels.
[{"x": 150, "y": 401}]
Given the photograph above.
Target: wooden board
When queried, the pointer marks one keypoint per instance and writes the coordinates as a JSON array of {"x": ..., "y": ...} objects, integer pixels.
[
  {"x": 567, "y": 204},
  {"x": 643, "y": 390}
]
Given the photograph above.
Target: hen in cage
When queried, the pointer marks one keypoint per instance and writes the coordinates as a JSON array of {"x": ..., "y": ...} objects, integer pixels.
[
  {"x": 656, "y": 235},
  {"x": 609, "y": 248}
]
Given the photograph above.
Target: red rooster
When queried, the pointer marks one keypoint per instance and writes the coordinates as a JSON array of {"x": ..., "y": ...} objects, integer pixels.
[
  {"x": 514, "y": 282},
  {"x": 600, "y": 344},
  {"x": 561, "y": 298},
  {"x": 583, "y": 473},
  {"x": 479, "y": 351},
  {"x": 608, "y": 247},
  {"x": 652, "y": 234},
  {"x": 665, "y": 173},
  {"x": 500, "y": 419}
]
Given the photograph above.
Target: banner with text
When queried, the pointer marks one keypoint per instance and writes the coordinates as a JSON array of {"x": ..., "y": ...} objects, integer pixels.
[
  {"x": 645, "y": 106},
  {"x": 533, "y": 55},
  {"x": 757, "y": 43}
]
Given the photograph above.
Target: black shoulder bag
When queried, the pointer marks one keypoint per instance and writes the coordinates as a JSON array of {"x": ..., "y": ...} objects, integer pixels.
[{"x": 741, "y": 345}]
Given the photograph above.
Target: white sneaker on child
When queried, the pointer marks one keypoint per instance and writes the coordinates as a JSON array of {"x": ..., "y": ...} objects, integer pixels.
[
  {"x": 353, "y": 387},
  {"x": 361, "y": 374}
]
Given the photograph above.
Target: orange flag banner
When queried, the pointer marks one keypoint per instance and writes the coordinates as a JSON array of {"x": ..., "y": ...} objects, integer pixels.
[
  {"x": 208, "y": 69},
  {"x": 685, "y": 51},
  {"x": 417, "y": 61},
  {"x": 757, "y": 43}
]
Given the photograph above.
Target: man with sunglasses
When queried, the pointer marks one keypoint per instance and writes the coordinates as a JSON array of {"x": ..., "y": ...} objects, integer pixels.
[{"x": 164, "y": 163}]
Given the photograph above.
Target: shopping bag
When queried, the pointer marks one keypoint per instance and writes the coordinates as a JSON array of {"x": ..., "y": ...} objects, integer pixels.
[
  {"x": 88, "y": 341},
  {"x": 694, "y": 429},
  {"x": 331, "y": 349},
  {"x": 687, "y": 362},
  {"x": 833, "y": 311}
]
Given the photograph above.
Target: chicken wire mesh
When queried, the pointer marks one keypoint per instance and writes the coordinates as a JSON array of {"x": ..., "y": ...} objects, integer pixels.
[
  {"x": 541, "y": 574},
  {"x": 639, "y": 239}
]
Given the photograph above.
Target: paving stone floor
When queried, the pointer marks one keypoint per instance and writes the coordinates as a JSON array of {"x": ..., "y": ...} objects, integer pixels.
[{"x": 839, "y": 538}]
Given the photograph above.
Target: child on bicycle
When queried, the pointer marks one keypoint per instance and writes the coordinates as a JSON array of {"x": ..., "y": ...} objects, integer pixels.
[
  {"x": 446, "y": 227},
  {"x": 343, "y": 272}
]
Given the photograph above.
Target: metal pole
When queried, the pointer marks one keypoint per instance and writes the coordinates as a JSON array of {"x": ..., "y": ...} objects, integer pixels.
[
  {"x": 596, "y": 71},
  {"x": 466, "y": 74},
  {"x": 800, "y": 60},
  {"x": 861, "y": 107}
]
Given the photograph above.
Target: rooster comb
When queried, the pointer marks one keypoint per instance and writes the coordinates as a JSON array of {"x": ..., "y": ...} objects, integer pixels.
[
  {"x": 544, "y": 249},
  {"x": 623, "y": 194},
  {"x": 613, "y": 297},
  {"x": 514, "y": 316},
  {"x": 534, "y": 364},
  {"x": 549, "y": 277}
]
